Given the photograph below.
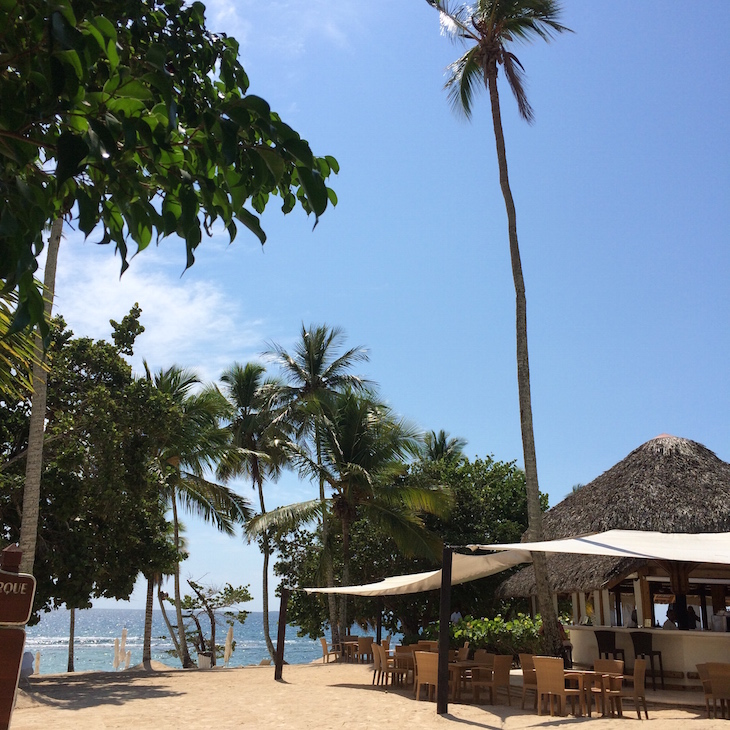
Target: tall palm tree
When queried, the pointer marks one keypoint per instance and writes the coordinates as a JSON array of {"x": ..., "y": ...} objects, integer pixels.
[
  {"x": 314, "y": 371},
  {"x": 258, "y": 440},
  {"x": 489, "y": 27},
  {"x": 439, "y": 447},
  {"x": 34, "y": 459},
  {"x": 194, "y": 443},
  {"x": 363, "y": 446}
]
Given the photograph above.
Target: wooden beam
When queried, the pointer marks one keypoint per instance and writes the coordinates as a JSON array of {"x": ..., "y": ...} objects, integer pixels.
[
  {"x": 442, "y": 691},
  {"x": 281, "y": 635}
]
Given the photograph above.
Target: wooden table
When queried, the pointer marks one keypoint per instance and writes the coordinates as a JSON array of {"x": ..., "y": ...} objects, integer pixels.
[
  {"x": 460, "y": 668},
  {"x": 348, "y": 649},
  {"x": 585, "y": 679}
]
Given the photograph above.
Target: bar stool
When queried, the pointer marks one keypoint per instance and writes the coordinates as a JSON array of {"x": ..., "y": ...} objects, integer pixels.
[
  {"x": 642, "y": 642},
  {"x": 607, "y": 645}
]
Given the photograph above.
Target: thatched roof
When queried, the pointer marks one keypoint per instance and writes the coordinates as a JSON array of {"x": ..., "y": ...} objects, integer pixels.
[{"x": 668, "y": 484}]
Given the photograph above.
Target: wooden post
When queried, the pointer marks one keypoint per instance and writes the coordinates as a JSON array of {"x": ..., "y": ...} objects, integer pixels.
[
  {"x": 703, "y": 608},
  {"x": 582, "y": 606},
  {"x": 281, "y": 635},
  {"x": 442, "y": 691},
  {"x": 379, "y": 627},
  {"x": 576, "y": 608}
]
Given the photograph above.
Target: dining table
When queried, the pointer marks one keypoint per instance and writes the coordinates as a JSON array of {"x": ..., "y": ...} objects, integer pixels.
[
  {"x": 461, "y": 670},
  {"x": 586, "y": 679},
  {"x": 348, "y": 649}
]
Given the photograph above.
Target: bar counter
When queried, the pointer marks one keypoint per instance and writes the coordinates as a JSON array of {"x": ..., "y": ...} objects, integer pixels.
[{"x": 681, "y": 650}]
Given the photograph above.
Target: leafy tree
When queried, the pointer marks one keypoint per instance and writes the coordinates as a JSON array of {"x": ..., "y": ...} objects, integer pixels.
[
  {"x": 194, "y": 442},
  {"x": 209, "y": 602},
  {"x": 316, "y": 370},
  {"x": 258, "y": 439},
  {"x": 489, "y": 27},
  {"x": 489, "y": 505},
  {"x": 135, "y": 117},
  {"x": 363, "y": 447},
  {"x": 100, "y": 517}
]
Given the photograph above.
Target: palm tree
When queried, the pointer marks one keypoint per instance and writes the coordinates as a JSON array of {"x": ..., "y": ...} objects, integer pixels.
[
  {"x": 489, "y": 27},
  {"x": 195, "y": 442},
  {"x": 258, "y": 438},
  {"x": 439, "y": 447},
  {"x": 362, "y": 450},
  {"x": 34, "y": 459},
  {"x": 316, "y": 370}
]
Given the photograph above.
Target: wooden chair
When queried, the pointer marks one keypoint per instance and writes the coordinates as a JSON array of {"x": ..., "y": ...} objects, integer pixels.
[
  {"x": 602, "y": 686},
  {"x": 637, "y": 693},
  {"x": 720, "y": 683},
  {"x": 707, "y": 689},
  {"x": 377, "y": 671},
  {"x": 485, "y": 658},
  {"x": 327, "y": 652},
  {"x": 607, "y": 645},
  {"x": 463, "y": 654},
  {"x": 529, "y": 680},
  {"x": 403, "y": 658},
  {"x": 364, "y": 650},
  {"x": 499, "y": 679},
  {"x": 643, "y": 648},
  {"x": 426, "y": 672},
  {"x": 550, "y": 675},
  {"x": 387, "y": 667}
]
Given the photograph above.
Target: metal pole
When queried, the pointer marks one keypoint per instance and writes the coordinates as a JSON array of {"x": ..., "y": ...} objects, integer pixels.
[
  {"x": 442, "y": 691},
  {"x": 285, "y": 592},
  {"x": 379, "y": 627}
]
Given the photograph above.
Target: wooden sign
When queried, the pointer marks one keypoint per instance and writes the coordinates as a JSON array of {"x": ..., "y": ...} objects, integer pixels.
[
  {"x": 12, "y": 642},
  {"x": 16, "y": 598},
  {"x": 16, "y": 602}
]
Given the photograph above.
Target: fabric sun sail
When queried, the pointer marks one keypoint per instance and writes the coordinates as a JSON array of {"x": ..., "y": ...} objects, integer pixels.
[
  {"x": 706, "y": 547},
  {"x": 464, "y": 568},
  {"x": 692, "y": 547}
]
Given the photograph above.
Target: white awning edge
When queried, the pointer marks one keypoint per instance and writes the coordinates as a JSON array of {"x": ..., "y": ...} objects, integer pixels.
[
  {"x": 463, "y": 569},
  {"x": 705, "y": 547}
]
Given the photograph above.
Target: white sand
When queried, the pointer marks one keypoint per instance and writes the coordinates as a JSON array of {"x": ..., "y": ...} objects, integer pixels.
[{"x": 316, "y": 696}]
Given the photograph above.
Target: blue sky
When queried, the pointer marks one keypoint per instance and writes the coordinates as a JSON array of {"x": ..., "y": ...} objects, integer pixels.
[{"x": 622, "y": 187}]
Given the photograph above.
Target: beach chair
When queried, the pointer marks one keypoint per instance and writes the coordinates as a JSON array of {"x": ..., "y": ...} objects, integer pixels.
[
  {"x": 327, "y": 652},
  {"x": 498, "y": 679}
]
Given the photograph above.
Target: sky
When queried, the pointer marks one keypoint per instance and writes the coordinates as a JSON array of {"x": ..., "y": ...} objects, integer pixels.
[{"x": 622, "y": 186}]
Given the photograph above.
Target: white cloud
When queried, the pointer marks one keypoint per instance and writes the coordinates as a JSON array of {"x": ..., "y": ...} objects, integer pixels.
[{"x": 188, "y": 321}]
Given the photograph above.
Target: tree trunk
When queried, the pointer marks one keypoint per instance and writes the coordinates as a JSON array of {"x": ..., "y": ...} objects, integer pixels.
[
  {"x": 34, "y": 462},
  {"x": 329, "y": 569},
  {"x": 183, "y": 652},
  {"x": 147, "y": 643},
  {"x": 345, "y": 574},
  {"x": 71, "y": 638},
  {"x": 266, "y": 550},
  {"x": 161, "y": 600},
  {"x": 534, "y": 512}
]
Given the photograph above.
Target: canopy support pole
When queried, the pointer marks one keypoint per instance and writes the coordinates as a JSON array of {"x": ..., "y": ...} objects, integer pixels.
[
  {"x": 281, "y": 635},
  {"x": 442, "y": 691}
]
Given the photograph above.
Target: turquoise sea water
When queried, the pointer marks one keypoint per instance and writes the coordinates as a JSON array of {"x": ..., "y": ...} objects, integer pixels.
[{"x": 96, "y": 629}]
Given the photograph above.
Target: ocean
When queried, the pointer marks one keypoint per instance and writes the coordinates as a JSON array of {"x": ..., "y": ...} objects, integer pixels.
[{"x": 97, "y": 628}]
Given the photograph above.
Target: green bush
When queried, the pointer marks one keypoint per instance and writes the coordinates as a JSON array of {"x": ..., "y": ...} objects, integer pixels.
[{"x": 519, "y": 635}]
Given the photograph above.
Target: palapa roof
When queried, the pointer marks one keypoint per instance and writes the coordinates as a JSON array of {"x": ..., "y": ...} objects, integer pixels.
[{"x": 668, "y": 484}]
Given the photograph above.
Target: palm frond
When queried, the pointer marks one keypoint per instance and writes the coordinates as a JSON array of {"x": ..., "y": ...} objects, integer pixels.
[
  {"x": 406, "y": 529},
  {"x": 285, "y": 519},
  {"x": 213, "y": 502},
  {"x": 466, "y": 78},
  {"x": 515, "y": 73}
]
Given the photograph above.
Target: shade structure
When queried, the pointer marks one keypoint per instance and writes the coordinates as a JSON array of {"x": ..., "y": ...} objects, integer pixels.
[
  {"x": 708, "y": 547},
  {"x": 464, "y": 569}
]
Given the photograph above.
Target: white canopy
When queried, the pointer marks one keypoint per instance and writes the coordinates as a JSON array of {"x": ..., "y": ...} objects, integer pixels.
[
  {"x": 695, "y": 548},
  {"x": 706, "y": 547},
  {"x": 463, "y": 569}
]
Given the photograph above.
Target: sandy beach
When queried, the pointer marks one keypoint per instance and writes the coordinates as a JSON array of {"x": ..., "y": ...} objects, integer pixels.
[{"x": 318, "y": 696}]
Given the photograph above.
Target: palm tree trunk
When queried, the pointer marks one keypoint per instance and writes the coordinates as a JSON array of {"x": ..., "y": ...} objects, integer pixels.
[
  {"x": 183, "y": 652},
  {"x": 71, "y": 638},
  {"x": 34, "y": 462},
  {"x": 161, "y": 600},
  {"x": 147, "y": 643},
  {"x": 534, "y": 512},
  {"x": 266, "y": 550},
  {"x": 345, "y": 573},
  {"x": 329, "y": 569}
]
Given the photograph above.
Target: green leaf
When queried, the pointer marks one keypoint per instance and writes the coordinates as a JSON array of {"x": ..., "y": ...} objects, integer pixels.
[
  {"x": 133, "y": 89},
  {"x": 300, "y": 149},
  {"x": 252, "y": 223},
  {"x": 256, "y": 104},
  {"x": 70, "y": 151},
  {"x": 273, "y": 161},
  {"x": 111, "y": 53},
  {"x": 105, "y": 26},
  {"x": 314, "y": 189}
]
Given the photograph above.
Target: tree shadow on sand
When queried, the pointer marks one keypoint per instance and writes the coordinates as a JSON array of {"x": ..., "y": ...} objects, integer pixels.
[{"x": 97, "y": 689}]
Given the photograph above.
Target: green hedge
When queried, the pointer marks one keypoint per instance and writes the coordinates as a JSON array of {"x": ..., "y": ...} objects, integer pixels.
[{"x": 519, "y": 635}]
